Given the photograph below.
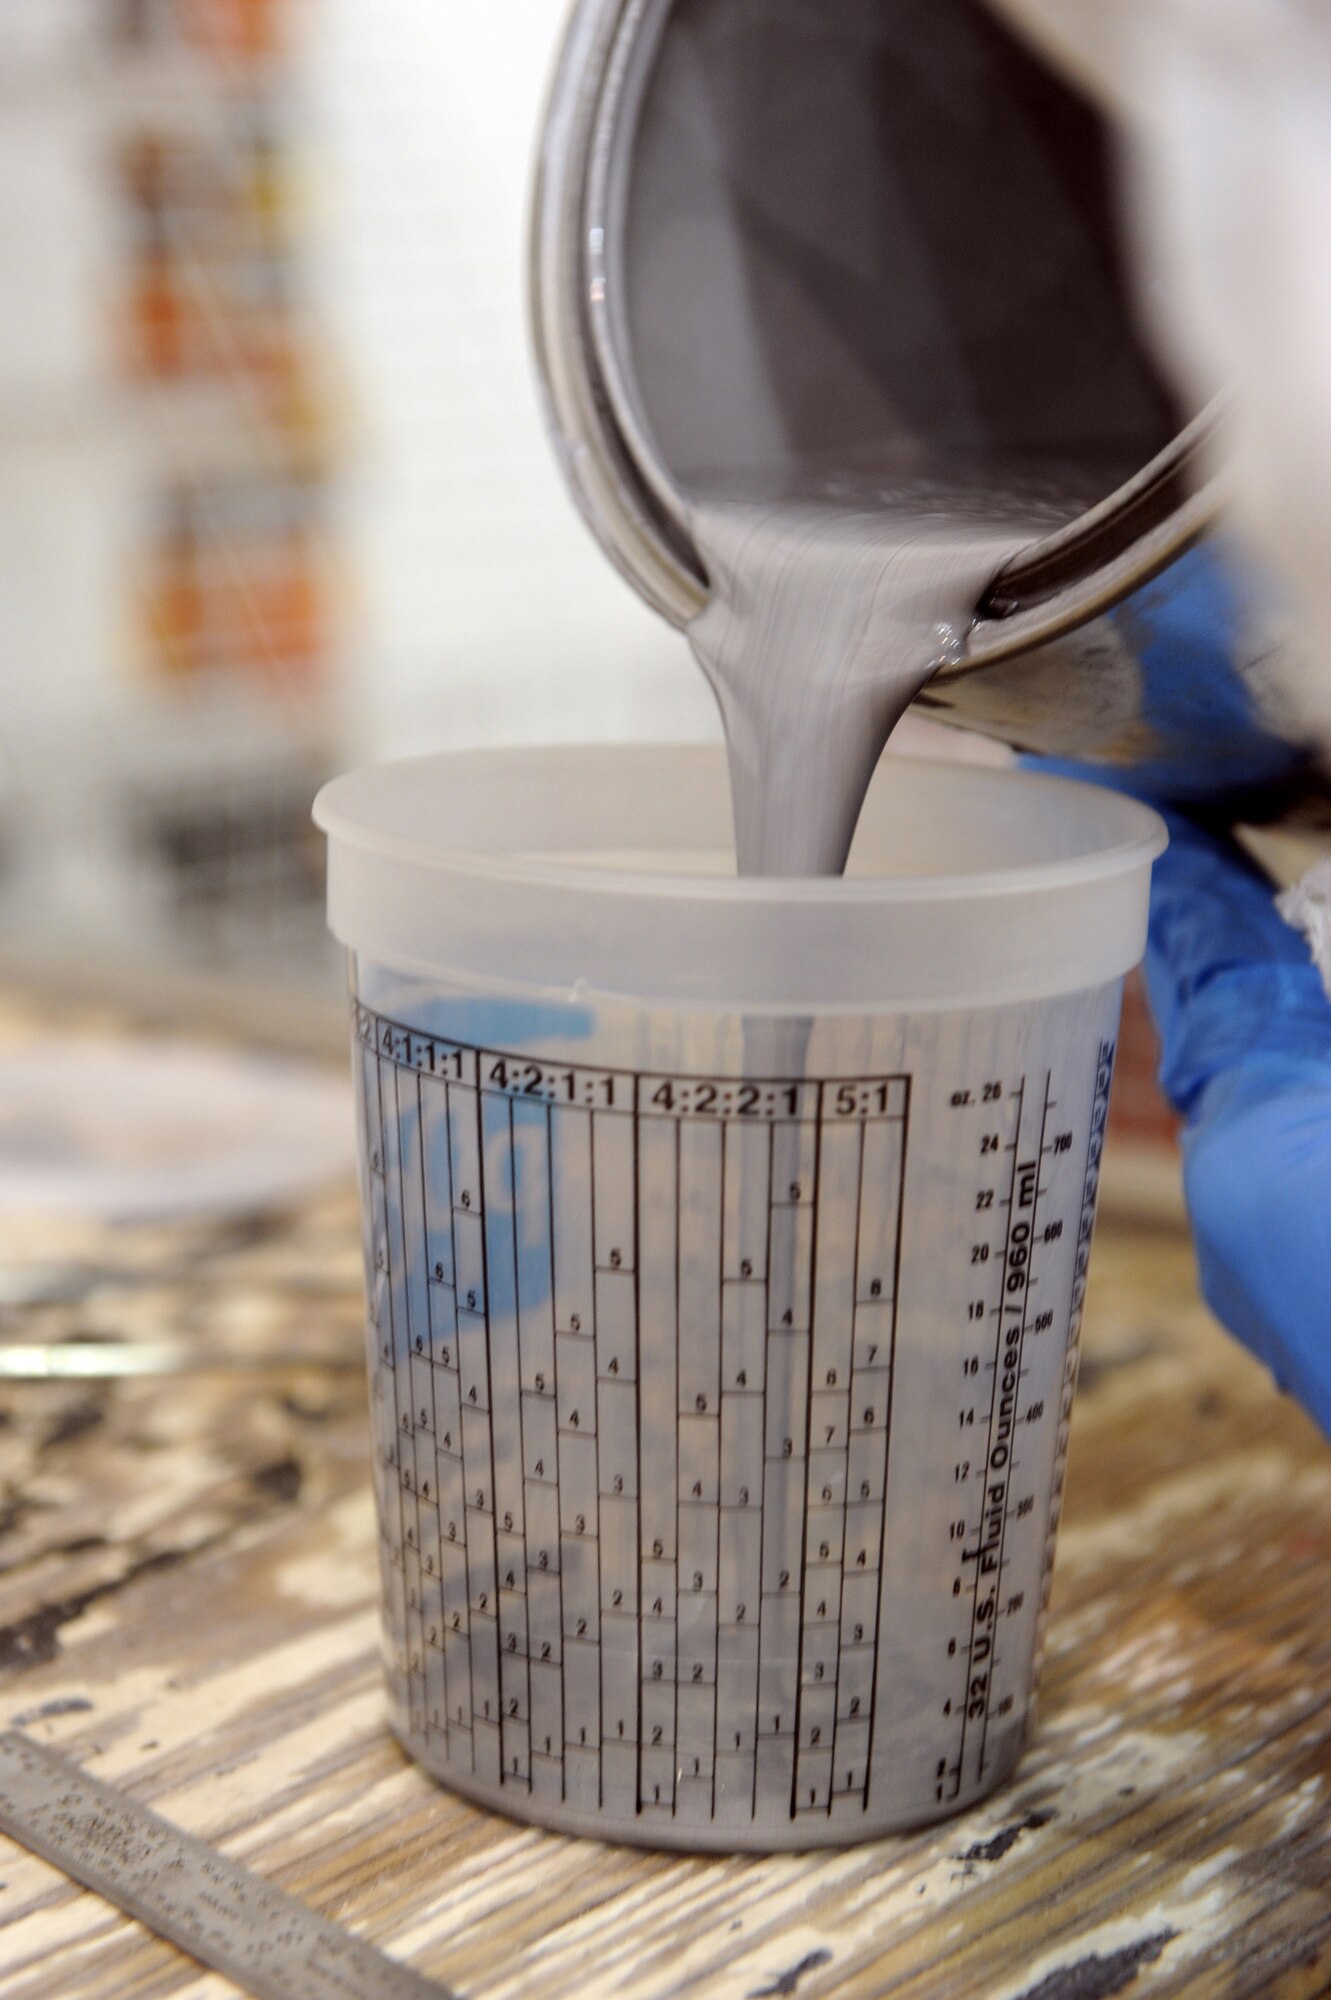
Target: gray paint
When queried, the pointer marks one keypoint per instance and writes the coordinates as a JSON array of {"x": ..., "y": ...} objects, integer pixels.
[{"x": 878, "y": 335}]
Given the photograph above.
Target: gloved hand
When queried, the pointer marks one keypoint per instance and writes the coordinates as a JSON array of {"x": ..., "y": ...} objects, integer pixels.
[
  {"x": 1223, "y": 105},
  {"x": 1245, "y": 1028}
]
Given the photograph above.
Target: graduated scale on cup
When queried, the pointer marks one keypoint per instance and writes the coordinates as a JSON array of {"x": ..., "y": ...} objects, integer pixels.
[{"x": 720, "y": 1416}]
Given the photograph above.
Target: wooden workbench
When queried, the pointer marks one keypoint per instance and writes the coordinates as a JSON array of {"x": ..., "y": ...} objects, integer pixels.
[{"x": 188, "y": 1590}]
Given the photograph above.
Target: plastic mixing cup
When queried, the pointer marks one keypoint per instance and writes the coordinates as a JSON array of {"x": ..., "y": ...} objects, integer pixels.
[{"x": 726, "y": 1246}]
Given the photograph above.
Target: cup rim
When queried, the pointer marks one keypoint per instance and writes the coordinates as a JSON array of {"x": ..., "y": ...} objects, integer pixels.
[
  {"x": 475, "y": 903},
  {"x": 345, "y": 810}
]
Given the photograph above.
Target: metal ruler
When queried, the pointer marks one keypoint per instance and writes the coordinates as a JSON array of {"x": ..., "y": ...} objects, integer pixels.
[{"x": 229, "y": 1919}]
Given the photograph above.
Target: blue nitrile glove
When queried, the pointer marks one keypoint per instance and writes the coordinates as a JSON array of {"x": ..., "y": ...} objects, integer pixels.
[
  {"x": 1245, "y": 1028},
  {"x": 1245, "y": 1025}
]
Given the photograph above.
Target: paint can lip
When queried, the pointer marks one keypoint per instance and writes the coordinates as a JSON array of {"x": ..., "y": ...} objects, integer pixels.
[
  {"x": 647, "y": 543},
  {"x": 626, "y": 494}
]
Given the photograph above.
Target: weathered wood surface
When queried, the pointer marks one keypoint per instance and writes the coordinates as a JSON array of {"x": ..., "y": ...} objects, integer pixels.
[{"x": 188, "y": 1603}]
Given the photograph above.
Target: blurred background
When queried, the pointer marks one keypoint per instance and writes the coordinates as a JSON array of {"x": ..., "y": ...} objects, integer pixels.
[{"x": 275, "y": 496}]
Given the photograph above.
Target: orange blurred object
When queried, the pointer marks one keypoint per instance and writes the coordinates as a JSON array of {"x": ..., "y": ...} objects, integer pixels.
[
  {"x": 245, "y": 603},
  {"x": 250, "y": 30}
]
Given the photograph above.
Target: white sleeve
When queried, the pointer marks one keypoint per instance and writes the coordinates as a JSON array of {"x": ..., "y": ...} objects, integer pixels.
[{"x": 1226, "y": 110}]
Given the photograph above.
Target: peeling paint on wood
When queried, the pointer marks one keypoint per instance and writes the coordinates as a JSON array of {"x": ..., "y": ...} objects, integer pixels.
[
  {"x": 1097, "y": 1978},
  {"x": 1006, "y": 1838},
  {"x": 188, "y": 1603}
]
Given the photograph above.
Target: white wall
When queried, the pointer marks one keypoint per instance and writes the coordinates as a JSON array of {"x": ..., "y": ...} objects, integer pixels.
[{"x": 484, "y": 608}]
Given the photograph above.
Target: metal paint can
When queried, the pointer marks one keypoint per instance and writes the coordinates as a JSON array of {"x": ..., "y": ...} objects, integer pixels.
[{"x": 1135, "y": 633}]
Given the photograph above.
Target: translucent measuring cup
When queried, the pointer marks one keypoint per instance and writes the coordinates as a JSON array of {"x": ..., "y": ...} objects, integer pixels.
[{"x": 726, "y": 1245}]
